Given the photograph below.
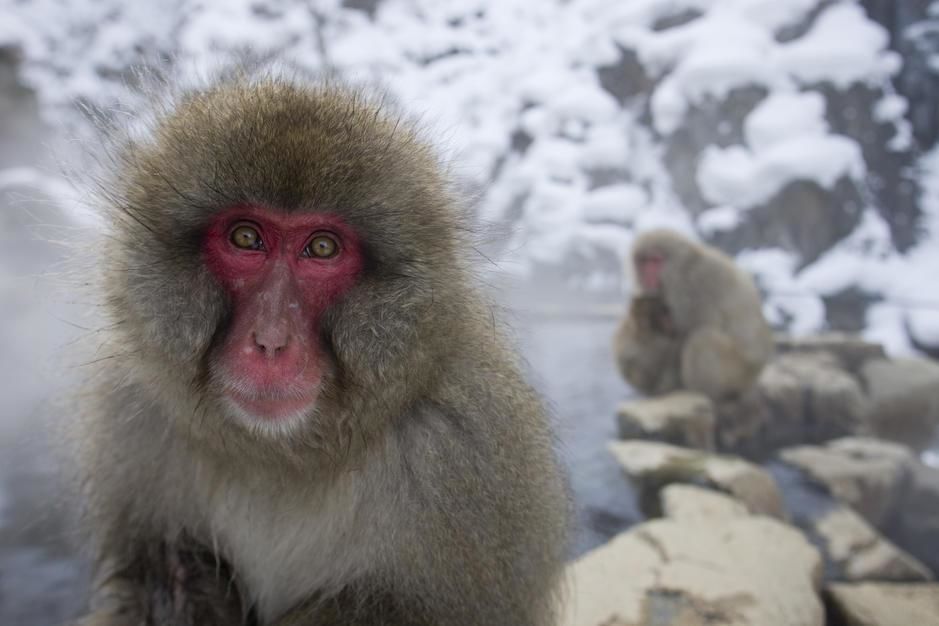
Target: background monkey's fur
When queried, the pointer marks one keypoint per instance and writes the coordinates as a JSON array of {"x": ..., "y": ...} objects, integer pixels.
[{"x": 423, "y": 489}]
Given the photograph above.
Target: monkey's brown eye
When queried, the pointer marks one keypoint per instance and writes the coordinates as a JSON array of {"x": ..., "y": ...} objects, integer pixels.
[
  {"x": 247, "y": 238},
  {"x": 322, "y": 246}
]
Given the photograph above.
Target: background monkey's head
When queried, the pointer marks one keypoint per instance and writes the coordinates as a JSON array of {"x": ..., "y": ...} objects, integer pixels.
[{"x": 657, "y": 256}]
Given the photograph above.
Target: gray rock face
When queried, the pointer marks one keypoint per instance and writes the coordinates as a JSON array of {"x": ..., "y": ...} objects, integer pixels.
[
  {"x": 915, "y": 527},
  {"x": 904, "y": 397},
  {"x": 884, "y": 604},
  {"x": 803, "y": 217},
  {"x": 751, "y": 571},
  {"x": 683, "y": 418}
]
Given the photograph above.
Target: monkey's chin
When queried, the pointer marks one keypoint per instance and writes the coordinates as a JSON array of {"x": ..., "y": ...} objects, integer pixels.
[{"x": 271, "y": 413}]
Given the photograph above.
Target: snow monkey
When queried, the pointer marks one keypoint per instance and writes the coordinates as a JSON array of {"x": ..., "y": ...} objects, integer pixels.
[
  {"x": 301, "y": 378},
  {"x": 696, "y": 322}
]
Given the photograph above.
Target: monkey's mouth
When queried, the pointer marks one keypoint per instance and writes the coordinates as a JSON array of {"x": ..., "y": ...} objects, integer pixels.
[{"x": 272, "y": 405}]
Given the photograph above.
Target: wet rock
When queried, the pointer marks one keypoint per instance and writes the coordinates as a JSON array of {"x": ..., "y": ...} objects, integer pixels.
[
  {"x": 653, "y": 466},
  {"x": 866, "y": 474},
  {"x": 915, "y": 527},
  {"x": 810, "y": 400},
  {"x": 683, "y": 418},
  {"x": 799, "y": 397},
  {"x": 904, "y": 399},
  {"x": 742, "y": 425},
  {"x": 883, "y": 605},
  {"x": 752, "y": 571},
  {"x": 851, "y": 351},
  {"x": 690, "y": 503},
  {"x": 859, "y": 553}
]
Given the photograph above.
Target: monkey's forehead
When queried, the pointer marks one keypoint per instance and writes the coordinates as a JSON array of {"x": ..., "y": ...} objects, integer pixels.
[
  {"x": 662, "y": 242},
  {"x": 295, "y": 148}
]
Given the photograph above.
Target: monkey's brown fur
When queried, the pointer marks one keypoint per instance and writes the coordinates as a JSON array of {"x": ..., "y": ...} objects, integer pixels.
[
  {"x": 423, "y": 489},
  {"x": 718, "y": 339}
]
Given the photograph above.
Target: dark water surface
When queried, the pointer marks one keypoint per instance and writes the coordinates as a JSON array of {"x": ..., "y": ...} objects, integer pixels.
[{"x": 571, "y": 364}]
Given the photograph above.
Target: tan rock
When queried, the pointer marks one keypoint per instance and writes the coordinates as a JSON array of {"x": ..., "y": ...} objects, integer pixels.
[
  {"x": 866, "y": 474},
  {"x": 691, "y": 503},
  {"x": 885, "y": 604},
  {"x": 751, "y": 571},
  {"x": 811, "y": 399},
  {"x": 655, "y": 465},
  {"x": 862, "y": 554},
  {"x": 904, "y": 395},
  {"x": 682, "y": 418},
  {"x": 850, "y": 350}
]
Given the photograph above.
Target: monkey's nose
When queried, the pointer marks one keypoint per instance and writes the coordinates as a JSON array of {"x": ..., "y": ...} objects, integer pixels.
[{"x": 271, "y": 344}]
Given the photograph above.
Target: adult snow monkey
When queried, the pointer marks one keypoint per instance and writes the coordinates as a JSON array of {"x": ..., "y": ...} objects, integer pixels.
[
  {"x": 696, "y": 321},
  {"x": 302, "y": 382}
]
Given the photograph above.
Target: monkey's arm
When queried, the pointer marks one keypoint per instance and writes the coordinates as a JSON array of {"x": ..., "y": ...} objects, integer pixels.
[{"x": 164, "y": 584}]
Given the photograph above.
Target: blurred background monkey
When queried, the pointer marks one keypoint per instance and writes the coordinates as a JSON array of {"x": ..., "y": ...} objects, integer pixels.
[
  {"x": 302, "y": 381},
  {"x": 696, "y": 321}
]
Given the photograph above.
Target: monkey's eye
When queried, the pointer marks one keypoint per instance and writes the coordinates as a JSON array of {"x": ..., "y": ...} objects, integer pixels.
[
  {"x": 247, "y": 238},
  {"x": 321, "y": 246}
]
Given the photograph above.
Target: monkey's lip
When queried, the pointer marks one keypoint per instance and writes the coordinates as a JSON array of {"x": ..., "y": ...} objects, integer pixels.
[{"x": 273, "y": 406}]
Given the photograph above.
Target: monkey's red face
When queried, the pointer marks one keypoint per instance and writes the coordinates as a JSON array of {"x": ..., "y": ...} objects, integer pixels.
[
  {"x": 282, "y": 271},
  {"x": 649, "y": 267}
]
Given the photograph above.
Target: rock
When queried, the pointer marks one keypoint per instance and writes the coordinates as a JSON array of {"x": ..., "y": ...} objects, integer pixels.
[
  {"x": 803, "y": 218},
  {"x": 752, "y": 571},
  {"x": 711, "y": 122},
  {"x": 850, "y": 350},
  {"x": 690, "y": 503},
  {"x": 904, "y": 399},
  {"x": 866, "y": 474},
  {"x": 859, "y": 553},
  {"x": 810, "y": 399},
  {"x": 915, "y": 528},
  {"x": 682, "y": 418},
  {"x": 884, "y": 604},
  {"x": 800, "y": 397},
  {"x": 742, "y": 424},
  {"x": 655, "y": 465}
]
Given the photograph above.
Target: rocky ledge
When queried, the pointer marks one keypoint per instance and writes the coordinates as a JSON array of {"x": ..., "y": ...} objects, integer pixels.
[{"x": 804, "y": 502}]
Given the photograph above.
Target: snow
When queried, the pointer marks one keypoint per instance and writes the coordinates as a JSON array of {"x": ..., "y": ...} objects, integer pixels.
[
  {"x": 787, "y": 139},
  {"x": 843, "y": 47},
  {"x": 591, "y": 171},
  {"x": 615, "y": 203},
  {"x": 718, "y": 219},
  {"x": 784, "y": 115},
  {"x": 785, "y": 300},
  {"x": 736, "y": 176}
]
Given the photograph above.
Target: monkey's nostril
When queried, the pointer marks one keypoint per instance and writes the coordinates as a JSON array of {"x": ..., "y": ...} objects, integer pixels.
[{"x": 270, "y": 346}]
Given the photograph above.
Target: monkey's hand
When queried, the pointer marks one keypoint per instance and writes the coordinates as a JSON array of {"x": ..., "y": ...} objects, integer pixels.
[{"x": 167, "y": 585}]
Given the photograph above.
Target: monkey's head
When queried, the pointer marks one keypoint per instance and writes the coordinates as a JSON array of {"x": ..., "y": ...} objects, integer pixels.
[
  {"x": 657, "y": 255},
  {"x": 286, "y": 256}
]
